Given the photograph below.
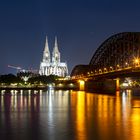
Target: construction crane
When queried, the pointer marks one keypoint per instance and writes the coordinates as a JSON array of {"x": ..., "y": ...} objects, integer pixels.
[
  {"x": 15, "y": 67},
  {"x": 19, "y": 69}
]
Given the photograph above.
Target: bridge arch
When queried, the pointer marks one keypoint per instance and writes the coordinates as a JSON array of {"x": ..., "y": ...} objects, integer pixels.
[{"x": 119, "y": 51}]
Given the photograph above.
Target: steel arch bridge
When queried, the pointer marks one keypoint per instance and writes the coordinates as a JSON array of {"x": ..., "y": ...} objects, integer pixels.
[{"x": 120, "y": 51}]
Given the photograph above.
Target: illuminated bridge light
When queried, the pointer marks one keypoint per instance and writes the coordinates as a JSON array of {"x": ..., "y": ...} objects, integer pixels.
[
  {"x": 100, "y": 71},
  {"x": 105, "y": 70},
  {"x": 111, "y": 68},
  {"x": 136, "y": 61}
]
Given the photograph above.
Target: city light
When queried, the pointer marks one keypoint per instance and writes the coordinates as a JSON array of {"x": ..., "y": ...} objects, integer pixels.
[
  {"x": 100, "y": 71},
  {"x": 118, "y": 65},
  {"x": 60, "y": 85},
  {"x": 71, "y": 84},
  {"x": 125, "y": 84},
  {"x": 111, "y": 68},
  {"x": 136, "y": 61}
]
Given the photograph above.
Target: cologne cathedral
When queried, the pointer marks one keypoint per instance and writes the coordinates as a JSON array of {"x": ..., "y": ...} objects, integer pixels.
[{"x": 52, "y": 66}]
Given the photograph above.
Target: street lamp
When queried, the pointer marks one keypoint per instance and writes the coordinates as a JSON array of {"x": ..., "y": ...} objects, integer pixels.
[
  {"x": 118, "y": 66},
  {"x": 100, "y": 71},
  {"x": 126, "y": 64},
  {"x": 105, "y": 70},
  {"x": 95, "y": 72},
  {"x": 111, "y": 68},
  {"x": 136, "y": 61}
]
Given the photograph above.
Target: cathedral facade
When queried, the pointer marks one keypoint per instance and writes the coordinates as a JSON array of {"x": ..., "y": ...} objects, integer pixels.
[{"x": 52, "y": 66}]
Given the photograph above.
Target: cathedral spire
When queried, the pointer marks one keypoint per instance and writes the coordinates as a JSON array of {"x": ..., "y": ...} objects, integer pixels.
[
  {"x": 46, "y": 49},
  {"x": 55, "y": 53},
  {"x": 56, "y": 45},
  {"x": 46, "y": 55}
]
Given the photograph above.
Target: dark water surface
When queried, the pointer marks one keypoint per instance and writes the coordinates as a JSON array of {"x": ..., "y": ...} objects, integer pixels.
[{"x": 69, "y": 115}]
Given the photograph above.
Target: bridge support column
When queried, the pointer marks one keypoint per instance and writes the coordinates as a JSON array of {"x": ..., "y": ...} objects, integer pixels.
[
  {"x": 81, "y": 85},
  {"x": 107, "y": 86},
  {"x": 117, "y": 84}
]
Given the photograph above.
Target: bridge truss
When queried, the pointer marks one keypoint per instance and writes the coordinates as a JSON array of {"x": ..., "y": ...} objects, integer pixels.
[{"x": 119, "y": 52}]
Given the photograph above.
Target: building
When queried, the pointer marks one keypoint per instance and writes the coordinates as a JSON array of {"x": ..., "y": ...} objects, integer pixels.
[{"x": 52, "y": 66}]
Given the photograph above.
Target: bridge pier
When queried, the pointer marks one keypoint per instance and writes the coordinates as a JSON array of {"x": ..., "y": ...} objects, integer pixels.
[
  {"x": 117, "y": 84},
  {"x": 107, "y": 86},
  {"x": 81, "y": 85}
]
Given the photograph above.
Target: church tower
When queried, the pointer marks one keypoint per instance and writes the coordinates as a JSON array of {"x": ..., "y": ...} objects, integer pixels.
[
  {"x": 55, "y": 53},
  {"x": 52, "y": 66},
  {"x": 46, "y": 54}
]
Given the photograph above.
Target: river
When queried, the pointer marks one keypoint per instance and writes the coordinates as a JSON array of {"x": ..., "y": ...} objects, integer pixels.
[{"x": 69, "y": 115}]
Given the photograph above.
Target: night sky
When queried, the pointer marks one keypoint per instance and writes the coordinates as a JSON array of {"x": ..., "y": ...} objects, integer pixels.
[{"x": 80, "y": 25}]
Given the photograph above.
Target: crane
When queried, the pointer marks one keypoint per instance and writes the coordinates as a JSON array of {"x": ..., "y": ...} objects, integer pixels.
[
  {"x": 19, "y": 69},
  {"x": 15, "y": 67}
]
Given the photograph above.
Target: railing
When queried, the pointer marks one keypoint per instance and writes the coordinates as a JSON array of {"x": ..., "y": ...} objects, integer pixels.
[{"x": 104, "y": 71}]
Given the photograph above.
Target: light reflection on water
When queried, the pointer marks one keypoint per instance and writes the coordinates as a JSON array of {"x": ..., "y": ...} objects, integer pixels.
[{"x": 69, "y": 115}]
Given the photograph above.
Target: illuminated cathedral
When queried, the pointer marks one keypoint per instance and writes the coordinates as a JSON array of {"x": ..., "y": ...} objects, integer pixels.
[{"x": 52, "y": 66}]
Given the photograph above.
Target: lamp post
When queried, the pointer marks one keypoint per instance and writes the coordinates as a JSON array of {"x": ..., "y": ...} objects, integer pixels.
[{"x": 136, "y": 62}]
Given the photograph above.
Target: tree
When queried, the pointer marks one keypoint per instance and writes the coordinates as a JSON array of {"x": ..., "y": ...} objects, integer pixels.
[{"x": 9, "y": 78}]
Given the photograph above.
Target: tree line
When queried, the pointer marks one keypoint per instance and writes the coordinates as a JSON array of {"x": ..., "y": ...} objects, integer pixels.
[{"x": 8, "y": 79}]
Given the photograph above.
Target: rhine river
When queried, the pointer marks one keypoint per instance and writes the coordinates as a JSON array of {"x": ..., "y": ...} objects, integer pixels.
[{"x": 69, "y": 115}]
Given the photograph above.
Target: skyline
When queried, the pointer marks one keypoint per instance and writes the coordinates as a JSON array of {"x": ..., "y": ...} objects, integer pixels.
[{"x": 79, "y": 26}]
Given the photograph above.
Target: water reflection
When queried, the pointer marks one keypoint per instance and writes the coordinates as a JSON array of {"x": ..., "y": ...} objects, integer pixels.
[
  {"x": 69, "y": 115},
  {"x": 106, "y": 117}
]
